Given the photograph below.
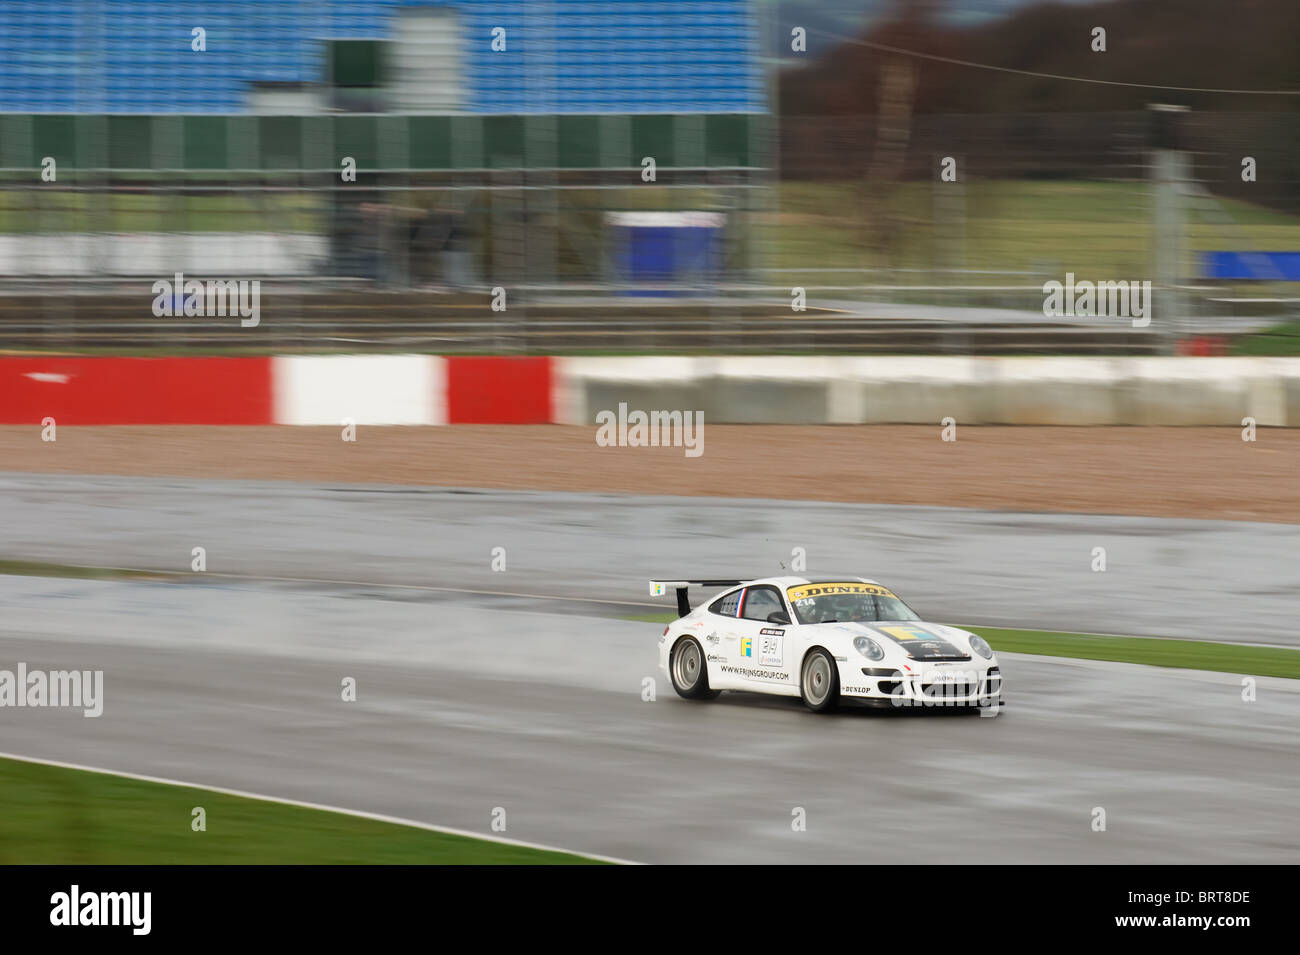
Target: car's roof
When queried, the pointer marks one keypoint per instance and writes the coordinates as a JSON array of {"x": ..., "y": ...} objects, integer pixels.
[{"x": 819, "y": 579}]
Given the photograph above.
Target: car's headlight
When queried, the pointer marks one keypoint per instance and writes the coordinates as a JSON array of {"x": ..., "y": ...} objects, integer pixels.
[
  {"x": 980, "y": 646},
  {"x": 868, "y": 648}
]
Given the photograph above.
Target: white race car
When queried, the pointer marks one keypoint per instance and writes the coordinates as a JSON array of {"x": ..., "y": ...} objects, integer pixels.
[{"x": 822, "y": 639}]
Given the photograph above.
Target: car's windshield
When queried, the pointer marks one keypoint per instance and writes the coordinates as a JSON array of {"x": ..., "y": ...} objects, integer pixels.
[{"x": 846, "y": 602}]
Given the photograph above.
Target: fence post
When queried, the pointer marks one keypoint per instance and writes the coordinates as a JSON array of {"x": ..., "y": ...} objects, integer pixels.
[{"x": 1169, "y": 176}]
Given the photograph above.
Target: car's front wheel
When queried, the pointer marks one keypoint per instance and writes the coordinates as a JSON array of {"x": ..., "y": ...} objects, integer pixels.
[
  {"x": 820, "y": 683},
  {"x": 689, "y": 674}
]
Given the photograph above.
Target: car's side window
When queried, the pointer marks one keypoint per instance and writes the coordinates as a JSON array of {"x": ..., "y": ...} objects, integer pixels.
[
  {"x": 760, "y": 602},
  {"x": 726, "y": 604}
]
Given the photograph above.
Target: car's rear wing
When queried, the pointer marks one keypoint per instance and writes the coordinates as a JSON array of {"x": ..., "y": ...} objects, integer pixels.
[{"x": 660, "y": 587}]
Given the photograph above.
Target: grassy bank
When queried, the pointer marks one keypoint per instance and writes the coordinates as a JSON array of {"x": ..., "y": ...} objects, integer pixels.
[{"x": 50, "y": 815}]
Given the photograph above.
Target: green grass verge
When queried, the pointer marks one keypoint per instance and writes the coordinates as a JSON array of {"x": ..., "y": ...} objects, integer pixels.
[
  {"x": 1094, "y": 229},
  {"x": 31, "y": 568},
  {"x": 1153, "y": 651},
  {"x": 664, "y": 618},
  {"x": 55, "y": 816},
  {"x": 1281, "y": 339}
]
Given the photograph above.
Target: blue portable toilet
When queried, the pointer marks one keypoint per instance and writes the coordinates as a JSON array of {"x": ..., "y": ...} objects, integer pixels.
[{"x": 665, "y": 253}]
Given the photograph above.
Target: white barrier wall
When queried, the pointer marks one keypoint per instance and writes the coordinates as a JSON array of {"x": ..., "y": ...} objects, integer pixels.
[
  {"x": 470, "y": 389},
  {"x": 158, "y": 255},
  {"x": 924, "y": 390},
  {"x": 365, "y": 389}
]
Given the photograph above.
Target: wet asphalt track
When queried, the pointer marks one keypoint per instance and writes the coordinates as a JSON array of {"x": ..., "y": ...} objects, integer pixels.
[
  {"x": 1231, "y": 581},
  {"x": 468, "y": 702}
]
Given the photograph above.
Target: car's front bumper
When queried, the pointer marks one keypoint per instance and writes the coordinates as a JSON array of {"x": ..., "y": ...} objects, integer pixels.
[{"x": 959, "y": 685}]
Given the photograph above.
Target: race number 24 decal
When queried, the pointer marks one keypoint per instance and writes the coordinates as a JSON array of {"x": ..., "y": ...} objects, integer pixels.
[{"x": 769, "y": 648}]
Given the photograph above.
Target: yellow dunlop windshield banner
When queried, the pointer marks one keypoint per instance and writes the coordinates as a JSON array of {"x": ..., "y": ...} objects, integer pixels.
[{"x": 805, "y": 591}]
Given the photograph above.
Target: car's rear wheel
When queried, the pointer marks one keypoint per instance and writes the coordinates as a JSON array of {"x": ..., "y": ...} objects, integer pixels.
[
  {"x": 689, "y": 674},
  {"x": 820, "y": 683}
]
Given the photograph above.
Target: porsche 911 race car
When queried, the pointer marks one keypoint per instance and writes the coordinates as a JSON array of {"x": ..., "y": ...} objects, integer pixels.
[{"x": 824, "y": 640}]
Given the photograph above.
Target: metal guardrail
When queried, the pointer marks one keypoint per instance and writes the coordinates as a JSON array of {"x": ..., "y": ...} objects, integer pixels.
[
  {"x": 338, "y": 313},
  {"x": 304, "y": 320}
]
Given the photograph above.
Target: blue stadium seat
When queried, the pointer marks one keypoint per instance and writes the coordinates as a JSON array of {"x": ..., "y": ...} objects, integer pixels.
[{"x": 595, "y": 56}]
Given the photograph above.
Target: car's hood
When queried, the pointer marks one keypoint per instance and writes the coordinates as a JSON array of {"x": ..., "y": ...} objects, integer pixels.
[{"x": 922, "y": 641}]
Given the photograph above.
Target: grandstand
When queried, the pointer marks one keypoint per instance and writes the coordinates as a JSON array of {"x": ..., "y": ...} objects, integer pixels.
[
  {"x": 476, "y": 166},
  {"x": 562, "y": 56}
]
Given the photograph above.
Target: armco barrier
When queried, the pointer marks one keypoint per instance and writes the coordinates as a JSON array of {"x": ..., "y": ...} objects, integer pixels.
[
  {"x": 432, "y": 390},
  {"x": 924, "y": 390}
]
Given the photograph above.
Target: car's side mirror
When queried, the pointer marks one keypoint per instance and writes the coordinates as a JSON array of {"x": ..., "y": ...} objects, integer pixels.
[{"x": 780, "y": 617}]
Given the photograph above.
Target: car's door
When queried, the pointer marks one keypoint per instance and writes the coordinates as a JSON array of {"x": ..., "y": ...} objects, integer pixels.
[
  {"x": 722, "y": 640},
  {"x": 763, "y": 652}
]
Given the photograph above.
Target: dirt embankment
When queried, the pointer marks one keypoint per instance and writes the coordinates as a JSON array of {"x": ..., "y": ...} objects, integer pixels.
[{"x": 1183, "y": 472}]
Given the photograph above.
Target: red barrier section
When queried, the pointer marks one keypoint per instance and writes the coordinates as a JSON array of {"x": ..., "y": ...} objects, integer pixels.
[
  {"x": 498, "y": 390},
  {"x": 76, "y": 390}
]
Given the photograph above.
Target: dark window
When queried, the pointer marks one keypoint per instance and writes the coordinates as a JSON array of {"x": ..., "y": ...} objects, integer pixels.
[
  {"x": 726, "y": 605},
  {"x": 761, "y": 601}
]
